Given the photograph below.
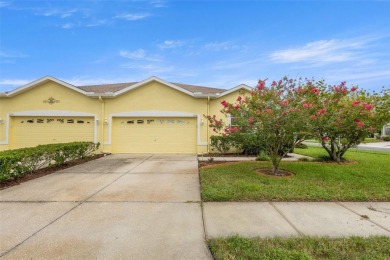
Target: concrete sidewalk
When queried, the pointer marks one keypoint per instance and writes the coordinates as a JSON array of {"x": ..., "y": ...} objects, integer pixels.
[
  {"x": 292, "y": 219},
  {"x": 292, "y": 157},
  {"x": 378, "y": 146}
]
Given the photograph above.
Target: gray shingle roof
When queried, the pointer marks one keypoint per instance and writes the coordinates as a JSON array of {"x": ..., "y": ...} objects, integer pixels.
[{"x": 106, "y": 88}]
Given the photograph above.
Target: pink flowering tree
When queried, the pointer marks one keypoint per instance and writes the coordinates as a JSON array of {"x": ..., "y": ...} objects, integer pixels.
[
  {"x": 273, "y": 114},
  {"x": 341, "y": 117}
]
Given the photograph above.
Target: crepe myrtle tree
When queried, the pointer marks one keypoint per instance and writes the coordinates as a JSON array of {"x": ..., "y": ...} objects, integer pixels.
[
  {"x": 273, "y": 114},
  {"x": 342, "y": 117}
]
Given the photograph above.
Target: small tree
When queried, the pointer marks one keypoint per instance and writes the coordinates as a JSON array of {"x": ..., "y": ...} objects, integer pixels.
[
  {"x": 273, "y": 115},
  {"x": 341, "y": 117}
]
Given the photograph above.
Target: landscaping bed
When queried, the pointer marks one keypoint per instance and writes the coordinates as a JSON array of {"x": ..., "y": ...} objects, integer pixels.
[
  {"x": 46, "y": 171},
  {"x": 376, "y": 247},
  {"x": 367, "y": 179}
]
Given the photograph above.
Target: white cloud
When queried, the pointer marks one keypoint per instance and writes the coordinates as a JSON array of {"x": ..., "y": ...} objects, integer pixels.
[
  {"x": 320, "y": 52},
  {"x": 132, "y": 16},
  {"x": 158, "y": 3},
  {"x": 222, "y": 46},
  {"x": 59, "y": 13},
  {"x": 4, "y": 4},
  {"x": 139, "y": 54},
  {"x": 97, "y": 23},
  {"x": 170, "y": 44},
  {"x": 12, "y": 83},
  {"x": 12, "y": 54},
  {"x": 67, "y": 26}
]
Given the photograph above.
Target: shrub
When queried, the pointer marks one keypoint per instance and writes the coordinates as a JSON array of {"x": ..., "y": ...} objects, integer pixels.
[
  {"x": 262, "y": 156},
  {"x": 301, "y": 146},
  {"x": 16, "y": 163},
  {"x": 386, "y": 138},
  {"x": 221, "y": 143}
]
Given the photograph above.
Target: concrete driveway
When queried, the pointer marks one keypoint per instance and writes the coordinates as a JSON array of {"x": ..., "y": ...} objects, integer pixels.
[{"x": 126, "y": 206}]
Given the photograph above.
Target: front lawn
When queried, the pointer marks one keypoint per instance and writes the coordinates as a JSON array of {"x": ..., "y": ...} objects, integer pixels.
[
  {"x": 300, "y": 248},
  {"x": 368, "y": 179}
]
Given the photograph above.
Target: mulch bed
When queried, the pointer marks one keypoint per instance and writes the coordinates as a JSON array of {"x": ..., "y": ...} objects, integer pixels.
[{"x": 46, "y": 171}]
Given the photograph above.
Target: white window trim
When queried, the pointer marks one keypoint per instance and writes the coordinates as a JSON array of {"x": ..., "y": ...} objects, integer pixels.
[
  {"x": 156, "y": 113},
  {"x": 44, "y": 113}
]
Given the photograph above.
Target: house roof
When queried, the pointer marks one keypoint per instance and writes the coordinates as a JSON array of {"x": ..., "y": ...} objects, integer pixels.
[{"x": 111, "y": 88}]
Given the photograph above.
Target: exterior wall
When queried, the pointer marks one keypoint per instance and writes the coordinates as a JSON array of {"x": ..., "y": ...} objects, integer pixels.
[
  {"x": 156, "y": 98},
  {"x": 153, "y": 98},
  {"x": 33, "y": 100}
]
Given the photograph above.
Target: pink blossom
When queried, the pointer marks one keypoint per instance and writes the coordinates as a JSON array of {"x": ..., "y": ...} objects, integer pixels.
[
  {"x": 233, "y": 129},
  {"x": 359, "y": 124},
  {"x": 261, "y": 84},
  {"x": 372, "y": 129},
  {"x": 258, "y": 111},
  {"x": 273, "y": 83},
  {"x": 250, "y": 120},
  {"x": 306, "y": 105},
  {"x": 354, "y": 88},
  {"x": 283, "y": 103},
  {"x": 355, "y": 103},
  {"x": 368, "y": 106},
  {"x": 321, "y": 111},
  {"x": 315, "y": 91},
  {"x": 224, "y": 103},
  {"x": 237, "y": 106},
  {"x": 325, "y": 138},
  {"x": 299, "y": 90},
  {"x": 239, "y": 98},
  {"x": 268, "y": 111}
]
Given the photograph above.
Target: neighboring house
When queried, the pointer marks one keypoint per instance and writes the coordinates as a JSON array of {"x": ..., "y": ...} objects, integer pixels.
[{"x": 150, "y": 116}]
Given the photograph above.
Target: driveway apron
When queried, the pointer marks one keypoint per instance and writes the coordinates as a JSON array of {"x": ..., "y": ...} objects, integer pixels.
[{"x": 124, "y": 206}]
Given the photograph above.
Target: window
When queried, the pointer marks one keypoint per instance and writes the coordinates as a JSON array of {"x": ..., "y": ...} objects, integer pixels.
[
  {"x": 80, "y": 121},
  {"x": 140, "y": 121},
  {"x": 61, "y": 120},
  {"x": 70, "y": 121},
  {"x": 49, "y": 120},
  {"x": 130, "y": 122},
  {"x": 30, "y": 121},
  {"x": 161, "y": 121},
  {"x": 180, "y": 122},
  {"x": 170, "y": 121},
  {"x": 40, "y": 121},
  {"x": 232, "y": 121},
  {"x": 150, "y": 121}
]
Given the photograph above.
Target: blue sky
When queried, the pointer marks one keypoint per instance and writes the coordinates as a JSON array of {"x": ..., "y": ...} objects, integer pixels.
[{"x": 210, "y": 43}]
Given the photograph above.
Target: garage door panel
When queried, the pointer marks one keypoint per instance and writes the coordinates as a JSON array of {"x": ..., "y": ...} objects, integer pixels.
[
  {"x": 32, "y": 131},
  {"x": 154, "y": 135}
]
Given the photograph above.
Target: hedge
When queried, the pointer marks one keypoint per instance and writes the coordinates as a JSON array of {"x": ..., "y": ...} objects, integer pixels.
[{"x": 17, "y": 163}]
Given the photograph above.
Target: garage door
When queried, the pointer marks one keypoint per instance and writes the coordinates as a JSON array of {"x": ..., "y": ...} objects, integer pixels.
[
  {"x": 154, "y": 135},
  {"x": 32, "y": 131}
]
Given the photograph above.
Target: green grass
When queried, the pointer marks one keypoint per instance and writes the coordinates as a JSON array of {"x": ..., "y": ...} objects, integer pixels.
[
  {"x": 301, "y": 248},
  {"x": 366, "y": 180}
]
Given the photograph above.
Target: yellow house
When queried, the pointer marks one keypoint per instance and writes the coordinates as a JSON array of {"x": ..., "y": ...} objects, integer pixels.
[{"x": 150, "y": 116}]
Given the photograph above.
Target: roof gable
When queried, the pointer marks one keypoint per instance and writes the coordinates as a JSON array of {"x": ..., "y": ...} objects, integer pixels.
[{"x": 40, "y": 81}]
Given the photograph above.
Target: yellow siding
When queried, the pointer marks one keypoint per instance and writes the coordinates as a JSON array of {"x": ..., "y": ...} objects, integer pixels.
[
  {"x": 154, "y": 135},
  {"x": 153, "y": 96}
]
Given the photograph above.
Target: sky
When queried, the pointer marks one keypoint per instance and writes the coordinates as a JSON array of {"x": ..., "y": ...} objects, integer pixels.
[{"x": 209, "y": 43}]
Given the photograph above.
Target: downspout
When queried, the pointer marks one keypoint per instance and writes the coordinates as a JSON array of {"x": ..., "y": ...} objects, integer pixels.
[
  {"x": 102, "y": 124},
  {"x": 207, "y": 125}
]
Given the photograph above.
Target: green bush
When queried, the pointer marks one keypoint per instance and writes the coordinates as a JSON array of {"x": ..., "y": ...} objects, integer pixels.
[
  {"x": 262, "y": 156},
  {"x": 386, "y": 138},
  {"x": 16, "y": 163},
  {"x": 221, "y": 143}
]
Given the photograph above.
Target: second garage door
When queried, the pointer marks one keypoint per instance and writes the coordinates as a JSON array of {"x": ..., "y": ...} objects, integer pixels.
[{"x": 154, "y": 135}]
